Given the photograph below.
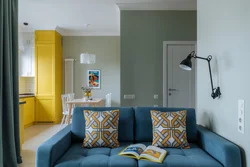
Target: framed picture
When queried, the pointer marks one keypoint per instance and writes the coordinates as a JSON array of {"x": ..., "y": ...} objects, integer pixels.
[{"x": 94, "y": 79}]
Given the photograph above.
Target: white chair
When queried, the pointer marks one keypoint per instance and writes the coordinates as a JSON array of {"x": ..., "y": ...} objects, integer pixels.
[
  {"x": 65, "y": 109},
  {"x": 71, "y": 96},
  {"x": 108, "y": 100}
]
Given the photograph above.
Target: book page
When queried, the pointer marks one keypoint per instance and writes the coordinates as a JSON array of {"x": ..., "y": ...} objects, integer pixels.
[
  {"x": 134, "y": 149},
  {"x": 154, "y": 154}
]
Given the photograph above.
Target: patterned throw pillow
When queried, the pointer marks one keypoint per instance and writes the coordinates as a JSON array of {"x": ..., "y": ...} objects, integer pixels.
[
  {"x": 169, "y": 129},
  {"x": 101, "y": 128}
]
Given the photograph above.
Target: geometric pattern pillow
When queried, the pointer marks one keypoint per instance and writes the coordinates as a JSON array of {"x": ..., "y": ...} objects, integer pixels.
[
  {"x": 101, "y": 128},
  {"x": 169, "y": 129}
]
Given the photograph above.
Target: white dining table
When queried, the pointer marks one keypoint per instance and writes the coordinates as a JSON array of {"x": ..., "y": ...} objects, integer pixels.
[{"x": 93, "y": 102}]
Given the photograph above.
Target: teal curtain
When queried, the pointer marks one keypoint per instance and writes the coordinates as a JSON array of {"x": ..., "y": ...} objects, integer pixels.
[{"x": 9, "y": 100}]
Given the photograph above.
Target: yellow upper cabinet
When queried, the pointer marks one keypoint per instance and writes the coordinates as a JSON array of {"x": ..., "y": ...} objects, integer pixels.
[
  {"x": 45, "y": 69},
  {"x": 48, "y": 60},
  {"x": 45, "y": 36}
]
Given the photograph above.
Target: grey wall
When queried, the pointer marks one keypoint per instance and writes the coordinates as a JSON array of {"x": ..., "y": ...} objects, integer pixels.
[
  {"x": 107, "y": 51},
  {"x": 224, "y": 32},
  {"x": 142, "y": 36}
]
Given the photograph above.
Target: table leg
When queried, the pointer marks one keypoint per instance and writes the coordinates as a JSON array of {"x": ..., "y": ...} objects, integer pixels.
[{"x": 69, "y": 116}]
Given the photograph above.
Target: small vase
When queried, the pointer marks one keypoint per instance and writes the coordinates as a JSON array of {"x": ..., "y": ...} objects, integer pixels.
[{"x": 87, "y": 94}]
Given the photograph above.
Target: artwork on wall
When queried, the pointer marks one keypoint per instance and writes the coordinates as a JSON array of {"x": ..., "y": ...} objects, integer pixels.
[{"x": 94, "y": 79}]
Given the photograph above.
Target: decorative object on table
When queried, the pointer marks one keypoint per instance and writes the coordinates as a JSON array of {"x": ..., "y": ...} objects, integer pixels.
[
  {"x": 186, "y": 64},
  {"x": 108, "y": 100},
  {"x": 101, "y": 128},
  {"x": 94, "y": 79},
  {"x": 86, "y": 58},
  {"x": 87, "y": 91}
]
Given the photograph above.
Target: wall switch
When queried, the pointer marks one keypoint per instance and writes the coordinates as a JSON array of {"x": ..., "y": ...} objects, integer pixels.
[
  {"x": 129, "y": 96},
  {"x": 156, "y": 96},
  {"x": 241, "y": 116}
]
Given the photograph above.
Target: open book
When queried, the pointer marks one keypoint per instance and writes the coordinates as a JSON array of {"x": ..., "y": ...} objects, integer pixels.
[{"x": 140, "y": 151}]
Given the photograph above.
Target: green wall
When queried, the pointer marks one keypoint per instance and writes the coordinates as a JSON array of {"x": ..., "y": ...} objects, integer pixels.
[
  {"x": 142, "y": 36},
  {"x": 107, "y": 51}
]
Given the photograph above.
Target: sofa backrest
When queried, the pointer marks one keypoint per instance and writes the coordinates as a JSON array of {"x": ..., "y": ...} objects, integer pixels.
[
  {"x": 143, "y": 123},
  {"x": 125, "y": 129}
]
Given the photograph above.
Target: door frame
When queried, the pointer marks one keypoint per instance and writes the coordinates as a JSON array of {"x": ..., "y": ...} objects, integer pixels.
[{"x": 165, "y": 66}]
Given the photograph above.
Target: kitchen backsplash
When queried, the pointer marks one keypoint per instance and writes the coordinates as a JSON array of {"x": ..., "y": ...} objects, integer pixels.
[{"x": 26, "y": 85}]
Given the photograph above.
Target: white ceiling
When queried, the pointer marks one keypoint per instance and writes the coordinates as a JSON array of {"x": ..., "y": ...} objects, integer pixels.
[
  {"x": 157, "y": 4},
  {"x": 70, "y": 17}
]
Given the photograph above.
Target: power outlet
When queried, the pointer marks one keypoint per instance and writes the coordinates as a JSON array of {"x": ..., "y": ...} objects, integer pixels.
[
  {"x": 156, "y": 105},
  {"x": 241, "y": 116},
  {"x": 129, "y": 97},
  {"x": 156, "y": 96}
]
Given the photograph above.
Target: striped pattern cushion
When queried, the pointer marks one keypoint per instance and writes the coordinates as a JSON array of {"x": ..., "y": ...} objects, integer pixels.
[
  {"x": 101, "y": 128},
  {"x": 169, "y": 129}
]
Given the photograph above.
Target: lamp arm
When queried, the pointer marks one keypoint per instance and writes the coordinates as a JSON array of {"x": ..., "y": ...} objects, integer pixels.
[
  {"x": 211, "y": 78},
  {"x": 215, "y": 91},
  {"x": 208, "y": 58}
]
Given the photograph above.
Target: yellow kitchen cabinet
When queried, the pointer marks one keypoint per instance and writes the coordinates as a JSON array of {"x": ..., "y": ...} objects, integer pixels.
[
  {"x": 45, "y": 37},
  {"x": 48, "y": 60},
  {"x": 21, "y": 123},
  {"x": 29, "y": 111},
  {"x": 44, "y": 108}
]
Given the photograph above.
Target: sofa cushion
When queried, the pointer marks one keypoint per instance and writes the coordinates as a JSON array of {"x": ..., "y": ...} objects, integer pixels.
[
  {"x": 193, "y": 157},
  {"x": 169, "y": 129},
  {"x": 126, "y": 123},
  {"x": 101, "y": 128},
  {"x": 143, "y": 123},
  {"x": 76, "y": 156}
]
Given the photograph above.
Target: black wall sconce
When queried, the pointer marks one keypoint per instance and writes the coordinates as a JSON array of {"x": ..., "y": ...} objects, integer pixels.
[{"x": 186, "y": 64}]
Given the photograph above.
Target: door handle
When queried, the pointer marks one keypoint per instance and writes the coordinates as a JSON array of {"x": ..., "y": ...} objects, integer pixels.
[{"x": 170, "y": 89}]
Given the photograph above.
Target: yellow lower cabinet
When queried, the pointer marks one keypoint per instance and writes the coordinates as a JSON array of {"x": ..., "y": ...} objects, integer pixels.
[
  {"x": 29, "y": 111},
  {"x": 44, "y": 109},
  {"x": 21, "y": 125}
]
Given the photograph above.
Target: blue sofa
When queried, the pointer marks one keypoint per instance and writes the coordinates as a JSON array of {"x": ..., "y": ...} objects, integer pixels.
[{"x": 207, "y": 149}]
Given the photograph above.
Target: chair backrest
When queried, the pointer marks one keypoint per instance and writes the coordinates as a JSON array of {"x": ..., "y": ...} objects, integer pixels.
[
  {"x": 71, "y": 96},
  {"x": 65, "y": 98},
  {"x": 108, "y": 100}
]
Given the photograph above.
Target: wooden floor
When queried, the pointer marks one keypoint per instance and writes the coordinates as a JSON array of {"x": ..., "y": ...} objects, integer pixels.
[{"x": 33, "y": 137}]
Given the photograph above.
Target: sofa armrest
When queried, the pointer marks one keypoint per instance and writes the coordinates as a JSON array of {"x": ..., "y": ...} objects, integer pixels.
[
  {"x": 51, "y": 150},
  {"x": 227, "y": 153}
]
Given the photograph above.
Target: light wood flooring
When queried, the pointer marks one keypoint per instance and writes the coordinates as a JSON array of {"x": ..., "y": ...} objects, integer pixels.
[{"x": 33, "y": 137}]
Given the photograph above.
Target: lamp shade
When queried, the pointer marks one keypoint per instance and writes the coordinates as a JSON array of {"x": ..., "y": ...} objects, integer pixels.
[
  {"x": 186, "y": 64},
  {"x": 86, "y": 58}
]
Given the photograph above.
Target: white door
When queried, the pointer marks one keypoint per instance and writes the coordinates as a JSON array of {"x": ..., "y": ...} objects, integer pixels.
[{"x": 180, "y": 83}]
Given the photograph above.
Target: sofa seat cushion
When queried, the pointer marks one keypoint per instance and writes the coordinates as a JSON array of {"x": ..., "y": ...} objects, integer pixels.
[
  {"x": 192, "y": 157},
  {"x": 76, "y": 156}
]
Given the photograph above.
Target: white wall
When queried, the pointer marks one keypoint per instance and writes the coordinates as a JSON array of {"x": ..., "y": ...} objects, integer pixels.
[{"x": 224, "y": 32}]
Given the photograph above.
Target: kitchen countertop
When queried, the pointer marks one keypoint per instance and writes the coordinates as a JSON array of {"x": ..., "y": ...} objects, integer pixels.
[
  {"x": 23, "y": 96},
  {"x": 22, "y": 102}
]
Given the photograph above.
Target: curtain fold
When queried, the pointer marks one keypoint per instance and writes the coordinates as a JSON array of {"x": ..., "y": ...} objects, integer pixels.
[{"x": 9, "y": 96}]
